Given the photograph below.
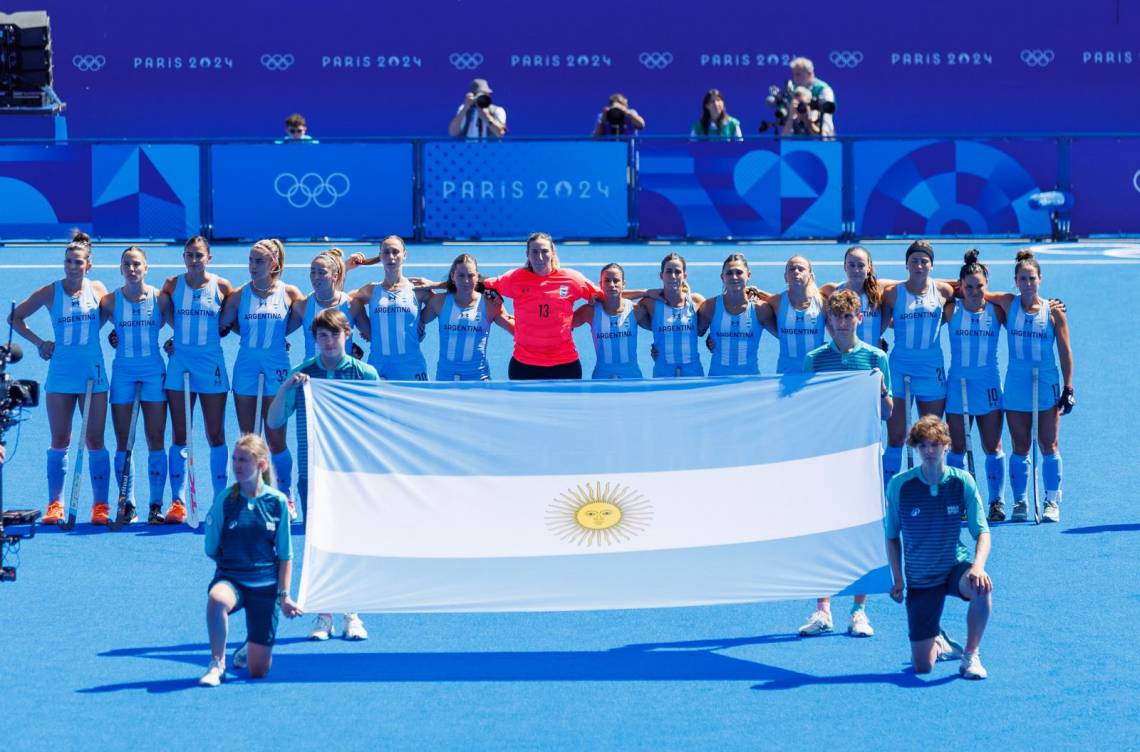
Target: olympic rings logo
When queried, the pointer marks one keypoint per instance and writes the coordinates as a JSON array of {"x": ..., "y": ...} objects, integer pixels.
[
  {"x": 277, "y": 61},
  {"x": 311, "y": 188},
  {"x": 845, "y": 58},
  {"x": 1037, "y": 58},
  {"x": 465, "y": 60},
  {"x": 89, "y": 63},
  {"x": 655, "y": 60}
]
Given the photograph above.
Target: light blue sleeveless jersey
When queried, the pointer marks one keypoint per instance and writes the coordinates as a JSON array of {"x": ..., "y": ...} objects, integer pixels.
[
  {"x": 918, "y": 321},
  {"x": 974, "y": 339},
  {"x": 196, "y": 314},
  {"x": 262, "y": 321},
  {"x": 800, "y": 332},
  {"x": 463, "y": 334},
  {"x": 871, "y": 330},
  {"x": 312, "y": 308},
  {"x": 675, "y": 337},
  {"x": 615, "y": 342},
  {"x": 75, "y": 318},
  {"x": 736, "y": 339},
  {"x": 137, "y": 325},
  {"x": 1030, "y": 336},
  {"x": 394, "y": 316}
]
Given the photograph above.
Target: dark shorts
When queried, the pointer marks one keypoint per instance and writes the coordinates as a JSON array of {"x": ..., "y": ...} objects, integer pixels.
[
  {"x": 924, "y": 605},
  {"x": 261, "y": 611},
  {"x": 519, "y": 371}
]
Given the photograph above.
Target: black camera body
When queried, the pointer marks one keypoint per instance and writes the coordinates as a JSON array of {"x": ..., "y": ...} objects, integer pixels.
[
  {"x": 14, "y": 393},
  {"x": 783, "y": 102},
  {"x": 483, "y": 101},
  {"x": 615, "y": 116}
]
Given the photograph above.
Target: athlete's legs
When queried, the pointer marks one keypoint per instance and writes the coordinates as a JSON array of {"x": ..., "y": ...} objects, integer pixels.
[
  {"x": 61, "y": 411},
  {"x": 930, "y": 407},
  {"x": 222, "y": 600},
  {"x": 121, "y": 420},
  {"x": 246, "y": 409},
  {"x": 978, "y": 614},
  {"x": 1020, "y": 424},
  {"x": 1048, "y": 430},
  {"x": 923, "y": 655},
  {"x": 260, "y": 659},
  {"x": 989, "y": 428},
  {"x": 214, "y": 416},
  {"x": 177, "y": 416},
  {"x": 957, "y": 433},
  {"x": 896, "y": 423}
]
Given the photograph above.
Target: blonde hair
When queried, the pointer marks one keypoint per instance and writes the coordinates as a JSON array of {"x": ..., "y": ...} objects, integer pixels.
[
  {"x": 276, "y": 248},
  {"x": 335, "y": 257},
  {"x": 802, "y": 63},
  {"x": 554, "y": 265},
  {"x": 255, "y": 445},
  {"x": 929, "y": 428},
  {"x": 810, "y": 290}
]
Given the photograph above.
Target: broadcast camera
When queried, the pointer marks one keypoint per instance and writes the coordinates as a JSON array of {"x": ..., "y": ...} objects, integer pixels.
[
  {"x": 15, "y": 394},
  {"x": 783, "y": 102}
]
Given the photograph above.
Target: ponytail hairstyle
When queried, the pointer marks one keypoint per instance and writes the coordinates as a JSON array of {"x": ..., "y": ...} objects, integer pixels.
[
  {"x": 80, "y": 241},
  {"x": 810, "y": 289},
  {"x": 140, "y": 251},
  {"x": 276, "y": 249},
  {"x": 554, "y": 265},
  {"x": 612, "y": 265},
  {"x": 674, "y": 256},
  {"x": 973, "y": 266},
  {"x": 373, "y": 260},
  {"x": 255, "y": 445},
  {"x": 1025, "y": 257},
  {"x": 871, "y": 281},
  {"x": 464, "y": 258},
  {"x": 335, "y": 257}
]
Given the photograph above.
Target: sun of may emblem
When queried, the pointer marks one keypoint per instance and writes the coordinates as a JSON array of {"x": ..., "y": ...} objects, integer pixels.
[{"x": 597, "y": 515}]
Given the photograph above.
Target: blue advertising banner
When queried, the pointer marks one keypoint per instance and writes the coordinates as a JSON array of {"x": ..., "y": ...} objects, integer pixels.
[
  {"x": 507, "y": 190},
  {"x": 766, "y": 189},
  {"x": 146, "y": 190},
  {"x": 1106, "y": 186},
  {"x": 45, "y": 191},
  {"x": 951, "y": 187},
  {"x": 310, "y": 190}
]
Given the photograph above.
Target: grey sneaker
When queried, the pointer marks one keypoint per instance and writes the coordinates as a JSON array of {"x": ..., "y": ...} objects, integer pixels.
[
  {"x": 971, "y": 666},
  {"x": 240, "y": 658},
  {"x": 322, "y": 628},
  {"x": 997, "y": 511},
  {"x": 1020, "y": 511},
  {"x": 819, "y": 623},
  {"x": 948, "y": 650},
  {"x": 1052, "y": 510}
]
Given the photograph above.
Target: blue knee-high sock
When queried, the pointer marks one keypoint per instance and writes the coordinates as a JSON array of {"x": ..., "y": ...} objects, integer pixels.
[
  {"x": 56, "y": 470},
  {"x": 1019, "y": 475},
  {"x": 954, "y": 459},
  {"x": 177, "y": 471},
  {"x": 120, "y": 460},
  {"x": 156, "y": 470},
  {"x": 892, "y": 461},
  {"x": 219, "y": 467},
  {"x": 100, "y": 472},
  {"x": 1051, "y": 469},
  {"x": 283, "y": 468},
  {"x": 995, "y": 474}
]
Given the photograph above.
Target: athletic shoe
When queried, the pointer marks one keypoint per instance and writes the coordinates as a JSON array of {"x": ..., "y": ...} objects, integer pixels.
[
  {"x": 860, "y": 626},
  {"x": 240, "y": 657},
  {"x": 997, "y": 511},
  {"x": 322, "y": 628},
  {"x": 948, "y": 650},
  {"x": 354, "y": 628},
  {"x": 971, "y": 666},
  {"x": 129, "y": 514},
  {"x": 176, "y": 515},
  {"x": 1052, "y": 510},
  {"x": 54, "y": 514},
  {"x": 1020, "y": 511},
  {"x": 213, "y": 675},
  {"x": 819, "y": 623},
  {"x": 100, "y": 513},
  {"x": 156, "y": 517}
]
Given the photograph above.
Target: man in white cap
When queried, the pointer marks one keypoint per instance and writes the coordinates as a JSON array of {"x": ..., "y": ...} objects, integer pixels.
[{"x": 478, "y": 117}]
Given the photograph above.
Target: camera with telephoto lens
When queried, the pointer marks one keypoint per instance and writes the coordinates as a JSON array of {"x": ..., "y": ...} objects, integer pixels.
[
  {"x": 14, "y": 393},
  {"x": 783, "y": 101},
  {"x": 615, "y": 116},
  {"x": 483, "y": 101}
]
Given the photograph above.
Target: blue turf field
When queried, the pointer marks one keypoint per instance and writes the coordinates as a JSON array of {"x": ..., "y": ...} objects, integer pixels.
[{"x": 104, "y": 633}]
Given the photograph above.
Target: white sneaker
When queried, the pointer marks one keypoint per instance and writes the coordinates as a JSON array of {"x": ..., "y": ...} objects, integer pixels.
[
  {"x": 1052, "y": 510},
  {"x": 354, "y": 628},
  {"x": 948, "y": 650},
  {"x": 213, "y": 675},
  {"x": 860, "y": 626},
  {"x": 1020, "y": 511},
  {"x": 819, "y": 623},
  {"x": 971, "y": 666},
  {"x": 240, "y": 658},
  {"x": 322, "y": 628}
]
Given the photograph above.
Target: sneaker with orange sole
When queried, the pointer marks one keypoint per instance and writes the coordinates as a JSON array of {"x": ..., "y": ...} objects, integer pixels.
[
  {"x": 54, "y": 514},
  {"x": 100, "y": 513},
  {"x": 176, "y": 515}
]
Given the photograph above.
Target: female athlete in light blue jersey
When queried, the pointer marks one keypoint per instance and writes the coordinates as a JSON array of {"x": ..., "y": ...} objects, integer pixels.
[
  {"x": 800, "y": 322},
  {"x": 75, "y": 357},
  {"x": 260, "y": 310},
  {"x": 734, "y": 322},
  {"x": 387, "y": 313},
  {"x": 974, "y": 328},
  {"x": 195, "y": 300},
  {"x": 673, "y": 321},
  {"x": 465, "y": 317},
  {"x": 918, "y": 309},
  {"x": 862, "y": 280},
  {"x": 613, "y": 322},
  {"x": 137, "y": 313},
  {"x": 1033, "y": 327},
  {"x": 326, "y": 274}
]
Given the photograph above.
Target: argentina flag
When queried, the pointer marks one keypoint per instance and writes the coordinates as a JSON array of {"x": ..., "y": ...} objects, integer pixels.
[{"x": 550, "y": 496}]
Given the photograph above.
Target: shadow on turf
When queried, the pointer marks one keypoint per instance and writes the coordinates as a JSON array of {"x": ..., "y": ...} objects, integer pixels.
[
  {"x": 673, "y": 661},
  {"x": 1128, "y": 527},
  {"x": 141, "y": 530}
]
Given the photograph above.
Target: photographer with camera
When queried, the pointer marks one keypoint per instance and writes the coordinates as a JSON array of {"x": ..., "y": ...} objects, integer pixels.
[
  {"x": 821, "y": 98},
  {"x": 478, "y": 117},
  {"x": 802, "y": 119},
  {"x": 617, "y": 118}
]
